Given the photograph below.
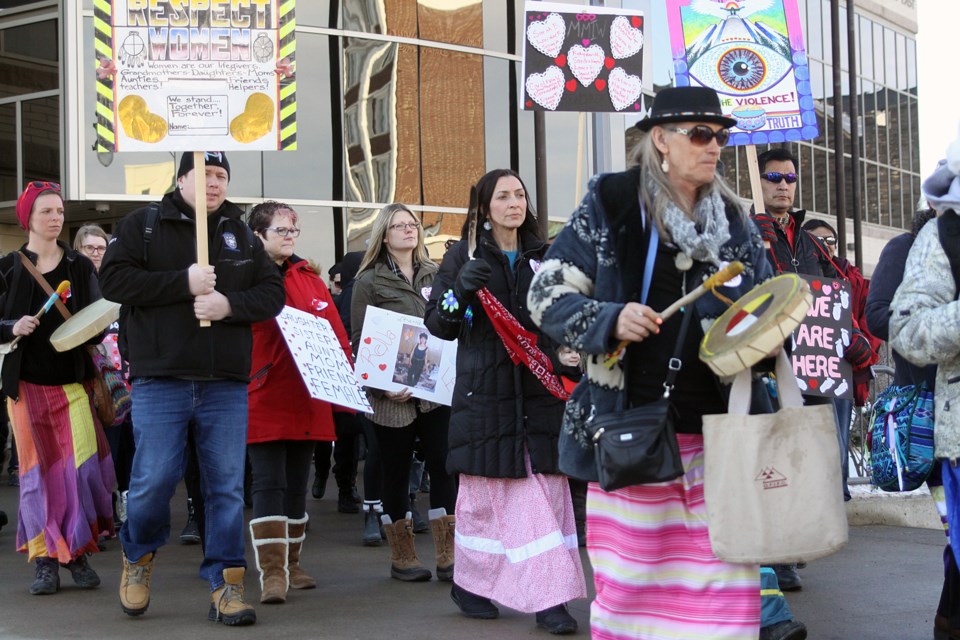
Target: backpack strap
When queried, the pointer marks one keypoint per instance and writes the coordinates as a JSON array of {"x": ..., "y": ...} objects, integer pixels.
[
  {"x": 948, "y": 228},
  {"x": 150, "y": 221}
]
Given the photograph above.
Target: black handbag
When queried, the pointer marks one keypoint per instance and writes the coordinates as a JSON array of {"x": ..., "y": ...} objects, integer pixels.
[{"x": 639, "y": 445}]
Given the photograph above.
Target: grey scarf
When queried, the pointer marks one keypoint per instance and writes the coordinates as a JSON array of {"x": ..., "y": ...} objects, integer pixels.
[{"x": 702, "y": 237}]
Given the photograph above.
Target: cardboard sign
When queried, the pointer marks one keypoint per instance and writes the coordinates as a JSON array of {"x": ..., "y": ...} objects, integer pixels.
[
  {"x": 578, "y": 58},
  {"x": 819, "y": 342},
  {"x": 753, "y": 55},
  {"x": 189, "y": 75},
  {"x": 397, "y": 352},
  {"x": 323, "y": 365}
]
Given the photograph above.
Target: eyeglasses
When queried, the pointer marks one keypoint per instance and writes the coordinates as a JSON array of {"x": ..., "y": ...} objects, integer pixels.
[
  {"x": 283, "y": 232},
  {"x": 775, "y": 177},
  {"x": 92, "y": 248},
  {"x": 37, "y": 184},
  {"x": 404, "y": 226},
  {"x": 830, "y": 240},
  {"x": 701, "y": 135}
]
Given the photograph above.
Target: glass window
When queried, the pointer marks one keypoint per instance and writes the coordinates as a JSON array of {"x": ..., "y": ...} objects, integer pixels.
[
  {"x": 805, "y": 194},
  {"x": 914, "y": 119},
  {"x": 457, "y": 23},
  {"x": 29, "y": 59},
  {"x": 823, "y": 176},
  {"x": 40, "y": 131},
  {"x": 313, "y": 13},
  {"x": 498, "y": 109},
  {"x": 886, "y": 203},
  {"x": 865, "y": 55},
  {"x": 890, "y": 57},
  {"x": 878, "y": 57},
  {"x": 814, "y": 31},
  {"x": 883, "y": 126},
  {"x": 911, "y": 65},
  {"x": 842, "y": 28},
  {"x": 902, "y": 83},
  {"x": 871, "y": 201},
  {"x": 9, "y": 189}
]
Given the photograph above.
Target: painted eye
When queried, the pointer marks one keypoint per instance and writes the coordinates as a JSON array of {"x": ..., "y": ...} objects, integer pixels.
[{"x": 740, "y": 69}]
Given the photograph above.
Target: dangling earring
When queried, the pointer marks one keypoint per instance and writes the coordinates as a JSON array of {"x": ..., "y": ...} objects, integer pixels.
[
  {"x": 665, "y": 165},
  {"x": 487, "y": 225}
]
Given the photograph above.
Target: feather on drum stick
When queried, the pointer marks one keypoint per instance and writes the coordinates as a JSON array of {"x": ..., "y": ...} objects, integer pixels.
[{"x": 724, "y": 275}]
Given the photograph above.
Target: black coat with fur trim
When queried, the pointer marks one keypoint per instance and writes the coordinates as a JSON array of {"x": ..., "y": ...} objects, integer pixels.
[{"x": 500, "y": 409}]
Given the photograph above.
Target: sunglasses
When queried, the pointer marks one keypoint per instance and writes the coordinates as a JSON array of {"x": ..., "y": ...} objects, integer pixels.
[
  {"x": 701, "y": 135},
  {"x": 776, "y": 177},
  {"x": 830, "y": 240},
  {"x": 37, "y": 184}
]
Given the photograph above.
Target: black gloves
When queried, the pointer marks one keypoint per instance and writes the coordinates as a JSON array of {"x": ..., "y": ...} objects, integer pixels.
[
  {"x": 768, "y": 227},
  {"x": 473, "y": 275}
]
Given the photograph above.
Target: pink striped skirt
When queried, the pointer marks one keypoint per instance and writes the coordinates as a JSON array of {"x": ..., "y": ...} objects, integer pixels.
[
  {"x": 655, "y": 573},
  {"x": 66, "y": 472},
  {"x": 516, "y": 541}
]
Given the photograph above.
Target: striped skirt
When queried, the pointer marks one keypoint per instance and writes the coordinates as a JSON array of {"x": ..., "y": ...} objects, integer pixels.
[
  {"x": 516, "y": 541},
  {"x": 66, "y": 472},
  {"x": 655, "y": 574}
]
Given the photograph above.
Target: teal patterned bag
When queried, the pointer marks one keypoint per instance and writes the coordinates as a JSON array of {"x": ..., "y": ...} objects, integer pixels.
[{"x": 901, "y": 447}]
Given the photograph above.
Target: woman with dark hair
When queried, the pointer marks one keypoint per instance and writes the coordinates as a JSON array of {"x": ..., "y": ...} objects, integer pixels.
[
  {"x": 396, "y": 274},
  {"x": 418, "y": 359},
  {"x": 516, "y": 537},
  {"x": 283, "y": 417},
  {"x": 66, "y": 473}
]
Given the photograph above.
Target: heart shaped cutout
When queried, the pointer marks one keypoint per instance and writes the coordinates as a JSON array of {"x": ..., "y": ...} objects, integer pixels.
[
  {"x": 382, "y": 367},
  {"x": 585, "y": 63},
  {"x": 600, "y": 85},
  {"x": 625, "y": 88},
  {"x": 545, "y": 88},
  {"x": 367, "y": 340},
  {"x": 625, "y": 40},
  {"x": 571, "y": 85},
  {"x": 365, "y": 375},
  {"x": 546, "y": 36},
  {"x": 636, "y": 21},
  {"x": 561, "y": 60},
  {"x": 608, "y": 62}
]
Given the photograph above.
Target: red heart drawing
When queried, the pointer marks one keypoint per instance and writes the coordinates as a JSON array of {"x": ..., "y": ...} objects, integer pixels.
[
  {"x": 814, "y": 383},
  {"x": 636, "y": 21},
  {"x": 600, "y": 85},
  {"x": 816, "y": 285},
  {"x": 382, "y": 367},
  {"x": 571, "y": 85},
  {"x": 529, "y": 103},
  {"x": 608, "y": 62},
  {"x": 364, "y": 376},
  {"x": 367, "y": 340},
  {"x": 561, "y": 59}
]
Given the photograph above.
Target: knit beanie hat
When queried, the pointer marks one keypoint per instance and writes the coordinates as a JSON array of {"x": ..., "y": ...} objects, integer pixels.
[
  {"x": 29, "y": 196},
  {"x": 216, "y": 158}
]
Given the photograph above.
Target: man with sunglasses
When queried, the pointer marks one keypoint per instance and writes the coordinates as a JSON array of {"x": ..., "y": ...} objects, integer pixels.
[{"x": 189, "y": 377}]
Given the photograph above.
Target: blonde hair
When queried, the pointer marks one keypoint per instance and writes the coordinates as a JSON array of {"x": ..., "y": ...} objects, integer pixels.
[
  {"x": 648, "y": 157},
  {"x": 381, "y": 225}
]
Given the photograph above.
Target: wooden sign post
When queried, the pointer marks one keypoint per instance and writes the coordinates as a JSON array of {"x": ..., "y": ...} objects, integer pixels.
[{"x": 200, "y": 212}]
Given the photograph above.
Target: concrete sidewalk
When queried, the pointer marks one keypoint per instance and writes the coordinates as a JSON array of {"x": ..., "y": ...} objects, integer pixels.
[{"x": 884, "y": 585}]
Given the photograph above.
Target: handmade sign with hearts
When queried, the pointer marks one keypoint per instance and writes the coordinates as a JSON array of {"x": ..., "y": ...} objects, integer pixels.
[
  {"x": 625, "y": 88},
  {"x": 585, "y": 62},
  {"x": 323, "y": 365},
  {"x": 396, "y": 352},
  {"x": 546, "y": 88},
  {"x": 625, "y": 41},
  {"x": 821, "y": 339},
  {"x": 546, "y": 36}
]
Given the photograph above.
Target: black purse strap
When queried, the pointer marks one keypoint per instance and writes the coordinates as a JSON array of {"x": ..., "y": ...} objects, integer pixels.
[{"x": 676, "y": 362}]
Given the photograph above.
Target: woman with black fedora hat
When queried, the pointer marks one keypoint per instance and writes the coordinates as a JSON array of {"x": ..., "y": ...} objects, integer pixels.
[{"x": 639, "y": 241}]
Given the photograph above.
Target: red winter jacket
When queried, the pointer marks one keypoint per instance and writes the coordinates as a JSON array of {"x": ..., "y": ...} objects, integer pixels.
[{"x": 280, "y": 407}]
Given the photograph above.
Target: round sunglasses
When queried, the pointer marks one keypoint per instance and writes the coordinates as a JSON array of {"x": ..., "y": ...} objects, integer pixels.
[
  {"x": 701, "y": 135},
  {"x": 775, "y": 177}
]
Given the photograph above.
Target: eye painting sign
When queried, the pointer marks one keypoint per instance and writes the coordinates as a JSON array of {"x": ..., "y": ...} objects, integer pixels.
[
  {"x": 323, "y": 365},
  {"x": 582, "y": 58},
  {"x": 187, "y": 75},
  {"x": 396, "y": 352},
  {"x": 751, "y": 52},
  {"x": 820, "y": 340}
]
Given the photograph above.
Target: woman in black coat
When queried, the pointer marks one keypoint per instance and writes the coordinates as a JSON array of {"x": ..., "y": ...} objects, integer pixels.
[{"x": 516, "y": 539}]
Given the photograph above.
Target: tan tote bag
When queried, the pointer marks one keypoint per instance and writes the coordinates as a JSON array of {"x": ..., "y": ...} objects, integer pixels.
[{"x": 772, "y": 482}]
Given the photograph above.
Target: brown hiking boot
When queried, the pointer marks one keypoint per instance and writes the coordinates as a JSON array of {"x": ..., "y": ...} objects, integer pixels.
[
  {"x": 296, "y": 532},
  {"x": 404, "y": 564},
  {"x": 135, "y": 585},
  {"x": 227, "y": 604},
  {"x": 443, "y": 528},
  {"x": 269, "y": 535}
]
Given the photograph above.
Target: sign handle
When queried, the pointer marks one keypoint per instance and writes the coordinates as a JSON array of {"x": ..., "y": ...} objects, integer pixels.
[
  {"x": 200, "y": 212},
  {"x": 581, "y": 122},
  {"x": 753, "y": 167}
]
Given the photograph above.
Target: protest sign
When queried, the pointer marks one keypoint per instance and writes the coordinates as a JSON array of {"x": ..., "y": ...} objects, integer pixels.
[
  {"x": 821, "y": 338},
  {"x": 188, "y": 75},
  {"x": 323, "y": 365},
  {"x": 752, "y": 54},
  {"x": 397, "y": 352},
  {"x": 580, "y": 58}
]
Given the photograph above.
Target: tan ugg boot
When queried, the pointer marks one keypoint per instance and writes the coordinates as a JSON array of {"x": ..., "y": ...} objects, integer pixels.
[
  {"x": 269, "y": 535},
  {"x": 443, "y": 528},
  {"x": 227, "y": 604},
  {"x": 296, "y": 532},
  {"x": 135, "y": 585},
  {"x": 404, "y": 564}
]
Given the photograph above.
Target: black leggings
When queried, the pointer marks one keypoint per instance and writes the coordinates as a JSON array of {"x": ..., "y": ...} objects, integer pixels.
[
  {"x": 373, "y": 464},
  {"x": 281, "y": 470},
  {"x": 396, "y": 447}
]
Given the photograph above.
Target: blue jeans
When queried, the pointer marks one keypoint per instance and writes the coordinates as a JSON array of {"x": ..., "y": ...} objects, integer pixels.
[
  {"x": 844, "y": 409},
  {"x": 163, "y": 409}
]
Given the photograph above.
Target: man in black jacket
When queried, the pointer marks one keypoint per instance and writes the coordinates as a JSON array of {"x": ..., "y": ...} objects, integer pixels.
[{"x": 183, "y": 374}]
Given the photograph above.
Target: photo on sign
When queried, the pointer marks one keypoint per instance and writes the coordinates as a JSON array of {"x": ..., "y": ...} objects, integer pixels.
[
  {"x": 582, "y": 58},
  {"x": 751, "y": 52},
  {"x": 418, "y": 358}
]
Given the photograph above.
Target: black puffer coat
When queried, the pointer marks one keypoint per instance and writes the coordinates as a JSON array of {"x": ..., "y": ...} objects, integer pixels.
[
  {"x": 802, "y": 257},
  {"x": 499, "y": 408}
]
